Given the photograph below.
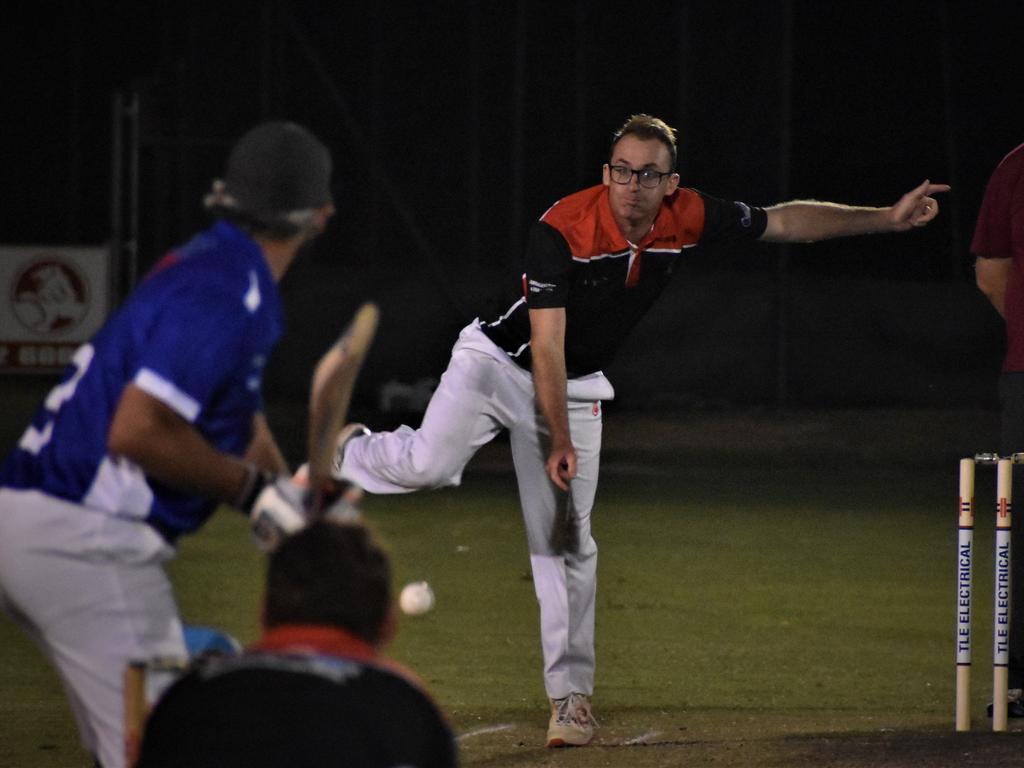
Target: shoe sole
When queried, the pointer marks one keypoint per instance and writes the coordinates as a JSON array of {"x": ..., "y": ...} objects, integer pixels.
[{"x": 560, "y": 743}]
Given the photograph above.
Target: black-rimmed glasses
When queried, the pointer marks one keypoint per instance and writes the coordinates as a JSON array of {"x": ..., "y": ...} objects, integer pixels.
[{"x": 648, "y": 177}]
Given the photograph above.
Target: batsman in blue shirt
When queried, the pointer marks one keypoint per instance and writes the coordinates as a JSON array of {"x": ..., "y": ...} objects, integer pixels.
[{"x": 156, "y": 422}]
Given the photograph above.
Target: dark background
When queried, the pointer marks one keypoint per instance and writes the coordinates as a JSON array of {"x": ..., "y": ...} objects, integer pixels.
[{"x": 454, "y": 124}]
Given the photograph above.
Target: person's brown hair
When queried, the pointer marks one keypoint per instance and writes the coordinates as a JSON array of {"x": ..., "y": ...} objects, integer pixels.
[{"x": 333, "y": 574}]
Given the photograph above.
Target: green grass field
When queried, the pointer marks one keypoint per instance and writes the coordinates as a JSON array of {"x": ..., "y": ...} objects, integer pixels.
[{"x": 759, "y": 609}]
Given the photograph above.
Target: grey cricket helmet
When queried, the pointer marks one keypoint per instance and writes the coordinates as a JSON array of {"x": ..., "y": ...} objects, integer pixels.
[{"x": 277, "y": 174}]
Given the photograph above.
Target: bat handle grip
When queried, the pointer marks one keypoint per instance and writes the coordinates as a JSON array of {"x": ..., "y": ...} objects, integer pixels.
[{"x": 337, "y": 500}]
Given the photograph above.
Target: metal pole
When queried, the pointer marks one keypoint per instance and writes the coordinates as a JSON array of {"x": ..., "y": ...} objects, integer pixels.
[
  {"x": 266, "y": 56},
  {"x": 376, "y": 65},
  {"x": 957, "y": 268},
  {"x": 518, "y": 128},
  {"x": 683, "y": 69},
  {"x": 785, "y": 163},
  {"x": 580, "y": 72},
  {"x": 74, "y": 125},
  {"x": 116, "y": 194},
  {"x": 133, "y": 191},
  {"x": 475, "y": 159}
]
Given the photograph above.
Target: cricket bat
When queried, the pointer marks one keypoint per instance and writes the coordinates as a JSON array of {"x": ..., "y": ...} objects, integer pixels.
[
  {"x": 330, "y": 394},
  {"x": 134, "y": 709},
  {"x": 136, "y": 698}
]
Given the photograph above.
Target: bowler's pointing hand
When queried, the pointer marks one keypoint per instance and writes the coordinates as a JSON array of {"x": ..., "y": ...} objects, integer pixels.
[{"x": 917, "y": 207}]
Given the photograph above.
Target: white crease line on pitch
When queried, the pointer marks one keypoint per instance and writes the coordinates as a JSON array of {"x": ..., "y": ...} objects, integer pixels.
[
  {"x": 485, "y": 729},
  {"x": 642, "y": 739}
]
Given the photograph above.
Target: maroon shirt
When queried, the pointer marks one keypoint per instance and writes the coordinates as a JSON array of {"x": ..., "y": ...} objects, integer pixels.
[{"x": 999, "y": 234}]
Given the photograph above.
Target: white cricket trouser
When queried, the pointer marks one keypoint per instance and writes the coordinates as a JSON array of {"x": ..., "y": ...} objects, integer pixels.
[
  {"x": 481, "y": 393},
  {"x": 91, "y": 590}
]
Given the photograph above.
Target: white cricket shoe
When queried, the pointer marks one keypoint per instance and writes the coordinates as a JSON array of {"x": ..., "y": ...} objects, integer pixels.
[{"x": 572, "y": 721}]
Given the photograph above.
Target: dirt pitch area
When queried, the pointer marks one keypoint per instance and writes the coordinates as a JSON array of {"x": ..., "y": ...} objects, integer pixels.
[
  {"x": 921, "y": 441},
  {"x": 753, "y": 740}
]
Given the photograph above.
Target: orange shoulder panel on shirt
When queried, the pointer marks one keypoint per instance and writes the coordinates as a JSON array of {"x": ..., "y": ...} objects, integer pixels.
[{"x": 585, "y": 221}]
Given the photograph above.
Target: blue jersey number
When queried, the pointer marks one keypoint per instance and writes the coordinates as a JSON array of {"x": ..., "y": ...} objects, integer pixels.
[{"x": 34, "y": 438}]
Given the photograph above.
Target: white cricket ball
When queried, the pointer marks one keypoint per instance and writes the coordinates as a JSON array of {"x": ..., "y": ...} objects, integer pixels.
[{"x": 416, "y": 599}]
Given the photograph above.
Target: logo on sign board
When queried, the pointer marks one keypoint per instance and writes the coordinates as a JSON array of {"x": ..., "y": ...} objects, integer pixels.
[{"x": 50, "y": 295}]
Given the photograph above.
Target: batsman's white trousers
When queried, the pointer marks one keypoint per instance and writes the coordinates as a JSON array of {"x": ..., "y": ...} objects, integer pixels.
[
  {"x": 481, "y": 393},
  {"x": 91, "y": 590}
]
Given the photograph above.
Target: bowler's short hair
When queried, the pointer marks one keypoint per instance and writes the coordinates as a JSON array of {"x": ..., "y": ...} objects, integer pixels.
[{"x": 646, "y": 127}]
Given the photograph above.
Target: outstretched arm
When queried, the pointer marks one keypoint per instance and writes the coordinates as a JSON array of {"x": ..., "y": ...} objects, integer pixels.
[{"x": 810, "y": 220}]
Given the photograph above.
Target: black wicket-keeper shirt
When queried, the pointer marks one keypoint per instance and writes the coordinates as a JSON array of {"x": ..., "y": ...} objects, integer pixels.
[
  {"x": 303, "y": 697},
  {"x": 577, "y": 258}
]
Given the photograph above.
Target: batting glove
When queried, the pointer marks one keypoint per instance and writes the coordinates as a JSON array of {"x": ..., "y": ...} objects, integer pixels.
[
  {"x": 340, "y": 503},
  {"x": 279, "y": 510},
  {"x": 279, "y": 506}
]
